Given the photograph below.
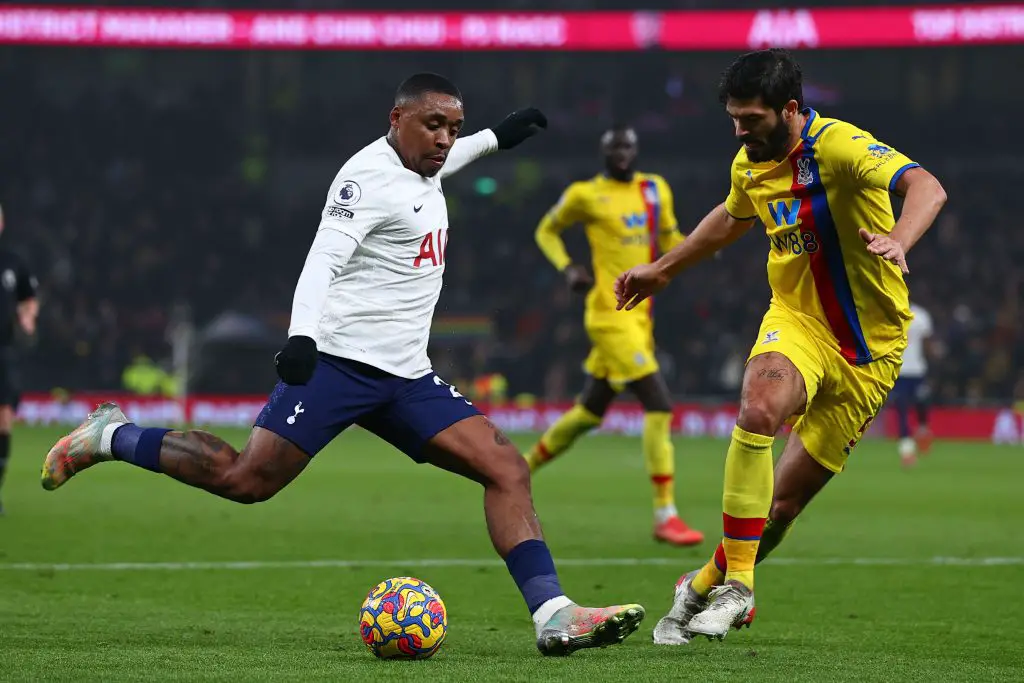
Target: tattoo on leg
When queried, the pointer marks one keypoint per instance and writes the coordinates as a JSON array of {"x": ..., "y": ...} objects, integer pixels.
[
  {"x": 195, "y": 456},
  {"x": 499, "y": 437},
  {"x": 773, "y": 374}
]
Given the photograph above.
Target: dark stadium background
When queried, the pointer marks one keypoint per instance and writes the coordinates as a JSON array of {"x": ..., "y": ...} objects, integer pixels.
[
  {"x": 151, "y": 187},
  {"x": 166, "y": 197}
]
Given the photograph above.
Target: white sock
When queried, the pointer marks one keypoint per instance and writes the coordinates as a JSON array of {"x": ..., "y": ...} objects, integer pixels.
[
  {"x": 108, "y": 437},
  {"x": 908, "y": 446},
  {"x": 664, "y": 513},
  {"x": 547, "y": 610}
]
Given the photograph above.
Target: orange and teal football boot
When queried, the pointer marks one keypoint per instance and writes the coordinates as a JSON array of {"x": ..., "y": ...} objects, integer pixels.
[
  {"x": 81, "y": 448},
  {"x": 575, "y": 628}
]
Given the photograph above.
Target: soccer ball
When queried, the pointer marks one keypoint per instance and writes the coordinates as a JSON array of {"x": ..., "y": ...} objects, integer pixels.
[{"x": 403, "y": 618}]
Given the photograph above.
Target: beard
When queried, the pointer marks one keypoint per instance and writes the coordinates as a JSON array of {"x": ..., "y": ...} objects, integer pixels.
[
  {"x": 617, "y": 172},
  {"x": 773, "y": 146}
]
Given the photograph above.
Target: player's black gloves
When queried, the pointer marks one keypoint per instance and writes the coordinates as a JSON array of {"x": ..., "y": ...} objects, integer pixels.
[
  {"x": 518, "y": 126},
  {"x": 296, "y": 362}
]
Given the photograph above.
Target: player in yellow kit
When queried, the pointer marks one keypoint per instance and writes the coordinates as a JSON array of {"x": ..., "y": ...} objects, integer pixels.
[
  {"x": 627, "y": 215},
  {"x": 830, "y": 346}
]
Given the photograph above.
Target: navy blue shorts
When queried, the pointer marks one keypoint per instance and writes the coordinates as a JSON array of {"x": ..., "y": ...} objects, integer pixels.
[
  {"x": 908, "y": 389},
  {"x": 406, "y": 413}
]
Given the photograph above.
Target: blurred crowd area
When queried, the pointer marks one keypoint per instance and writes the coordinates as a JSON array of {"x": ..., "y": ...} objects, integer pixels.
[{"x": 143, "y": 184}]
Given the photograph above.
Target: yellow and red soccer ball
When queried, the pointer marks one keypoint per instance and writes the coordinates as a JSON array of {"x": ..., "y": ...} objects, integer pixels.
[{"x": 403, "y": 618}]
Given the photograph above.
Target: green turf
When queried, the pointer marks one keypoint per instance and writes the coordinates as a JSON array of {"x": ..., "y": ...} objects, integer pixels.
[{"x": 909, "y": 621}]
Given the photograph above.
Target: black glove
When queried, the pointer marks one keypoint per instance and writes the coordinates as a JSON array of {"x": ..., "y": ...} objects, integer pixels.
[
  {"x": 296, "y": 362},
  {"x": 518, "y": 126}
]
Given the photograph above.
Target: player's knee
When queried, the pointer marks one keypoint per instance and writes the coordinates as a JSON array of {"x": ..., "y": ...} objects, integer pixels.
[
  {"x": 597, "y": 397},
  {"x": 785, "y": 510},
  {"x": 595, "y": 403},
  {"x": 595, "y": 408},
  {"x": 513, "y": 473},
  {"x": 245, "y": 488},
  {"x": 653, "y": 394},
  {"x": 658, "y": 404},
  {"x": 759, "y": 416}
]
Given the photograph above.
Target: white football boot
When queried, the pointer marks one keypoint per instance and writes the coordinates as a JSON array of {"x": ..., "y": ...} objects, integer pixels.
[
  {"x": 673, "y": 628},
  {"x": 730, "y": 606}
]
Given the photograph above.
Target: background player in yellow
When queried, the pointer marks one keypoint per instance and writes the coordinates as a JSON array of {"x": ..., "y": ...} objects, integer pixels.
[
  {"x": 627, "y": 216},
  {"x": 831, "y": 343}
]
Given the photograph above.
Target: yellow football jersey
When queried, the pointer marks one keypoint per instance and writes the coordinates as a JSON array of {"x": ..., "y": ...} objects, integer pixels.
[
  {"x": 834, "y": 182},
  {"x": 625, "y": 222}
]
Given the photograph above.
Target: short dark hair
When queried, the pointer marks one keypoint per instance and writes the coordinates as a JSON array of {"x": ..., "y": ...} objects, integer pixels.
[
  {"x": 773, "y": 75},
  {"x": 417, "y": 85}
]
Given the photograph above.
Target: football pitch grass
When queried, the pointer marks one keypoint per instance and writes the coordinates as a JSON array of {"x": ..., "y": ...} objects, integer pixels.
[{"x": 125, "y": 575}]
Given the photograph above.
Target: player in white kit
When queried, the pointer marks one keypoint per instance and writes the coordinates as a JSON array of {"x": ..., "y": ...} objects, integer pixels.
[
  {"x": 911, "y": 390},
  {"x": 357, "y": 354}
]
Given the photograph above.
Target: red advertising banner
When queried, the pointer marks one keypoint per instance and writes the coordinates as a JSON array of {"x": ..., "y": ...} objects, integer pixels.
[
  {"x": 997, "y": 425},
  {"x": 962, "y": 24}
]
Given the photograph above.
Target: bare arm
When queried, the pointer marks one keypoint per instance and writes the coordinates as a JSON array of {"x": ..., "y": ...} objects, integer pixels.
[
  {"x": 715, "y": 231},
  {"x": 923, "y": 197}
]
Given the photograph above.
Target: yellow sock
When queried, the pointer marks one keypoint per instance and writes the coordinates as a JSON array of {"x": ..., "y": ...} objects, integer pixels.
[
  {"x": 712, "y": 574},
  {"x": 660, "y": 457},
  {"x": 561, "y": 435},
  {"x": 746, "y": 499}
]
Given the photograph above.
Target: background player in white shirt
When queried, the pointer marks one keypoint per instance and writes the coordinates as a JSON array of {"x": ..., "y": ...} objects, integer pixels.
[
  {"x": 357, "y": 354},
  {"x": 911, "y": 389}
]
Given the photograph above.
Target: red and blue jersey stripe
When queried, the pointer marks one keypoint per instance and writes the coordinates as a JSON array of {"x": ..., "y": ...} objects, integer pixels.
[
  {"x": 652, "y": 206},
  {"x": 828, "y": 269}
]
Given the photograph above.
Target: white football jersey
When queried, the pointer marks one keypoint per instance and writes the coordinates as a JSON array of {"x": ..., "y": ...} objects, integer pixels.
[
  {"x": 915, "y": 364},
  {"x": 381, "y": 301}
]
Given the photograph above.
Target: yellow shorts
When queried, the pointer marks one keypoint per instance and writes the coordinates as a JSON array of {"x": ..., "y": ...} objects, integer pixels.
[
  {"x": 621, "y": 353},
  {"x": 842, "y": 399}
]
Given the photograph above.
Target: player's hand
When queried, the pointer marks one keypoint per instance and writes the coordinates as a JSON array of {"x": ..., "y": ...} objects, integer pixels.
[
  {"x": 637, "y": 284},
  {"x": 518, "y": 126},
  {"x": 886, "y": 247},
  {"x": 578, "y": 279},
  {"x": 296, "y": 362}
]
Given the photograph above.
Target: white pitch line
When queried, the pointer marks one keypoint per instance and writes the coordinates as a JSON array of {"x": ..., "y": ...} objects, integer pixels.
[{"x": 482, "y": 562}]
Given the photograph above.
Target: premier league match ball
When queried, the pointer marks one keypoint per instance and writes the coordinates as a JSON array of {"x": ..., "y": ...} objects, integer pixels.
[{"x": 403, "y": 618}]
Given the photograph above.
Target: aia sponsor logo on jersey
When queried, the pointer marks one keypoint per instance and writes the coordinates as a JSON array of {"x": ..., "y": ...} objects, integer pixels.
[{"x": 432, "y": 249}]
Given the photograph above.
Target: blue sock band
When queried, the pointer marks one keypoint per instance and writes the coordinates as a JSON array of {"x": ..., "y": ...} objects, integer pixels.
[
  {"x": 138, "y": 446},
  {"x": 533, "y": 570}
]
